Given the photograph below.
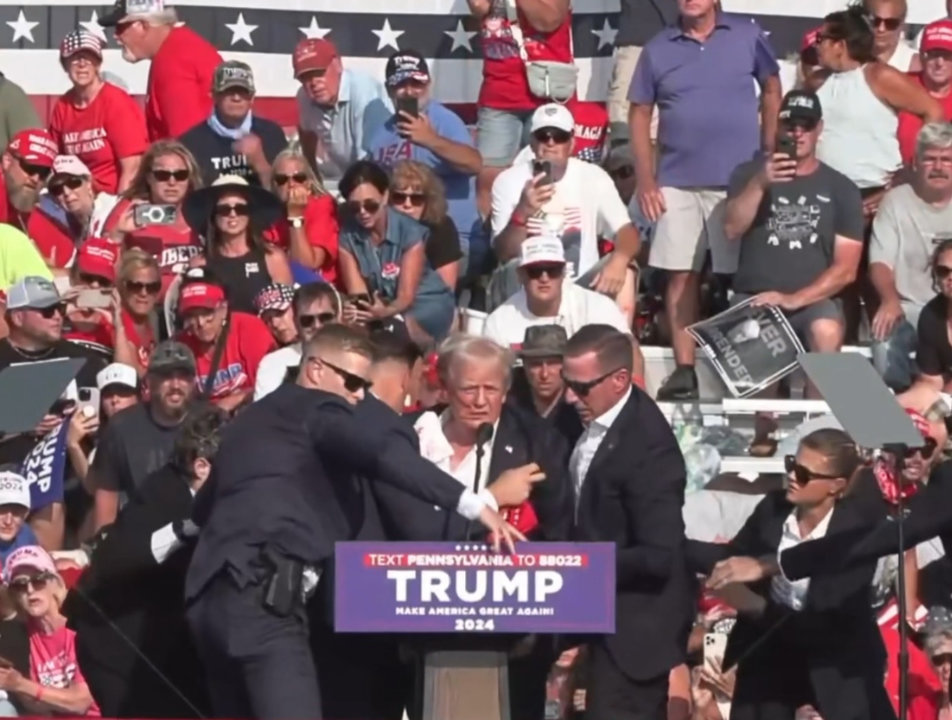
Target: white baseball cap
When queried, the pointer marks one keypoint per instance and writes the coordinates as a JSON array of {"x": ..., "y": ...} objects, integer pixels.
[
  {"x": 14, "y": 489},
  {"x": 542, "y": 249},
  {"x": 70, "y": 165},
  {"x": 552, "y": 115},
  {"x": 117, "y": 374}
]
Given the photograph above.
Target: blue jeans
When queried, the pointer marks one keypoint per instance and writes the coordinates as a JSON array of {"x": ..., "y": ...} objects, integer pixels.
[{"x": 891, "y": 356}]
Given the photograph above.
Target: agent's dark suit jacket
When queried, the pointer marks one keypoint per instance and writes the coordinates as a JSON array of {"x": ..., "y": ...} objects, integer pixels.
[
  {"x": 632, "y": 496},
  {"x": 929, "y": 515},
  {"x": 283, "y": 480},
  {"x": 831, "y": 649},
  {"x": 519, "y": 439}
]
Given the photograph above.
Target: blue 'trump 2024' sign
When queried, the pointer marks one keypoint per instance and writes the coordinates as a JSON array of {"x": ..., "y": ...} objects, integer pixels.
[{"x": 443, "y": 587}]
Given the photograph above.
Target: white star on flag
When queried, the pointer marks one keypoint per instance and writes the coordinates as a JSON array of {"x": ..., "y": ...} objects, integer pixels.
[
  {"x": 387, "y": 36},
  {"x": 462, "y": 38},
  {"x": 22, "y": 28},
  {"x": 314, "y": 31},
  {"x": 606, "y": 36},
  {"x": 241, "y": 31},
  {"x": 92, "y": 25}
]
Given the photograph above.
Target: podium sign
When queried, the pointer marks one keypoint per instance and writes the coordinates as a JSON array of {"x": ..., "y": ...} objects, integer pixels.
[
  {"x": 750, "y": 347},
  {"x": 447, "y": 587}
]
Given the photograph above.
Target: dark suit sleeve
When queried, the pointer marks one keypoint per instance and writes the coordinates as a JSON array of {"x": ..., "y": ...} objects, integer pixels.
[
  {"x": 929, "y": 513},
  {"x": 703, "y": 556},
  {"x": 652, "y": 502},
  {"x": 379, "y": 453},
  {"x": 552, "y": 499}
]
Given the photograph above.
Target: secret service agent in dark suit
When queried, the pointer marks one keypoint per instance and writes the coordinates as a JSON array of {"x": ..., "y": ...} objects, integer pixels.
[
  {"x": 631, "y": 477},
  {"x": 135, "y": 583},
  {"x": 270, "y": 516},
  {"x": 823, "y": 648},
  {"x": 928, "y": 515}
]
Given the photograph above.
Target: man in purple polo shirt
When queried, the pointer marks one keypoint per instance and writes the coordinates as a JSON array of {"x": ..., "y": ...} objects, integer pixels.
[{"x": 699, "y": 74}]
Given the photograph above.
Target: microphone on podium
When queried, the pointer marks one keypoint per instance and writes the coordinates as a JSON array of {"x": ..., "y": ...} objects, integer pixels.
[{"x": 484, "y": 433}]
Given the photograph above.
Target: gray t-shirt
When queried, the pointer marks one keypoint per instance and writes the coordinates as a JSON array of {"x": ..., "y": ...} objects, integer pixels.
[
  {"x": 790, "y": 242},
  {"x": 905, "y": 233}
]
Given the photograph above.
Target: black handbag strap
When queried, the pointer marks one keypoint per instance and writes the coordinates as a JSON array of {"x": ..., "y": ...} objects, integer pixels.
[{"x": 216, "y": 359}]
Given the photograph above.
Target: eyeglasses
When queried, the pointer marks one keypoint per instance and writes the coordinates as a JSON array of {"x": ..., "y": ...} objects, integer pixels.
[
  {"x": 88, "y": 279},
  {"x": 282, "y": 179},
  {"x": 622, "y": 173},
  {"x": 149, "y": 288},
  {"x": 928, "y": 447},
  {"x": 802, "y": 475},
  {"x": 49, "y": 312},
  {"x": 73, "y": 183},
  {"x": 352, "y": 381},
  {"x": 238, "y": 210},
  {"x": 942, "y": 659},
  {"x": 937, "y": 55},
  {"x": 804, "y": 125},
  {"x": 400, "y": 198},
  {"x": 822, "y": 37},
  {"x": 123, "y": 26},
  {"x": 40, "y": 171},
  {"x": 167, "y": 175},
  {"x": 323, "y": 318},
  {"x": 583, "y": 387},
  {"x": 942, "y": 271},
  {"x": 537, "y": 271},
  {"x": 24, "y": 583},
  {"x": 368, "y": 206},
  {"x": 559, "y": 137},
  {"x": 887, "y": 23}
]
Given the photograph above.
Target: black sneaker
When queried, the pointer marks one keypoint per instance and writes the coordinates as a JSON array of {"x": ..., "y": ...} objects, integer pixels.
[{"x": 679, "y": 385}]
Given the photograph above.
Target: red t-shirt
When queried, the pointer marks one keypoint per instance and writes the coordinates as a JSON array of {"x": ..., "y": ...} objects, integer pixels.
[
  {"x": 110, "y": 128},
  {"x": 178, "y": 95},
  {"x": 52, "y": 238},
  {"x": 505, "y": 86},
  {"x": 9, "y": 214},
  {"x": 321, "y": 228},
  {"x": 53, "y": 661},
  {"x": 248, "y": 341},
  {"x": 171, "y": 245},
  {"x": 910, "y": 124}
]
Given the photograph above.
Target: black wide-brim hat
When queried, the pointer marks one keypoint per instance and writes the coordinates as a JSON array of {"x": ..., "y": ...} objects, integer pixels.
[{"x": 264, "y": 206}]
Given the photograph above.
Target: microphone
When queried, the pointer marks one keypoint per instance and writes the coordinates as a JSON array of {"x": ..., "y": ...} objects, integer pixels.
[{"x": 484, "y": 433}]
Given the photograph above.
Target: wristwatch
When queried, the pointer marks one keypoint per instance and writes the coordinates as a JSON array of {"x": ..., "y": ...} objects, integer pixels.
[{"x": 296, "y": 222}]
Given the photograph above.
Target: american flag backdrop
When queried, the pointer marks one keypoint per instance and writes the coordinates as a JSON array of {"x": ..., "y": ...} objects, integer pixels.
[{"x": 263, "y": 33}]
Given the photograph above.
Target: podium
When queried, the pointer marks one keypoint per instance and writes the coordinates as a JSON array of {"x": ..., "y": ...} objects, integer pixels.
[
  {"x": 465, "y": 685},
  {"x": 463, "y": 610}
]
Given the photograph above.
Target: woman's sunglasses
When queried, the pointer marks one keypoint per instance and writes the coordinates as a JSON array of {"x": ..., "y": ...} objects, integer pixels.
[
  {"x": 928, "y": 447},
  {"x": 368, "y": 206},
  {"x": 166, "y": 175},
  {"x": 238, "y": 210},
  {"x": 149, "y": 288},
  {"x": 352, "y": 381},
  {"x": 73, "y": 183},
  {"x": 942, "y": 271},
  {"x": 802, "y": 474},
  {"x": 282, "y": 179},
  {"x": 323, "y": 318},
  {"x": 400, "y": 198},
  {"x": 37, "y": 582}
]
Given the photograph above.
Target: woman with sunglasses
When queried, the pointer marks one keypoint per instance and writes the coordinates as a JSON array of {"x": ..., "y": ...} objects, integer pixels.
[
  {"x": 56, "y": 684},
  {"x": 95, "y": 120},
  {"x": 231, "y": 215},
  {"x": 938, "y": 648},
  {"x": 166, "y": 174},
  {"x": 813, "y": 641},
  {"x": 383, "y": 260},
  {"x": 415, "y": 190},
  {"x": 933, "y": 349},
  {"x": 308, "y": 229}
]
